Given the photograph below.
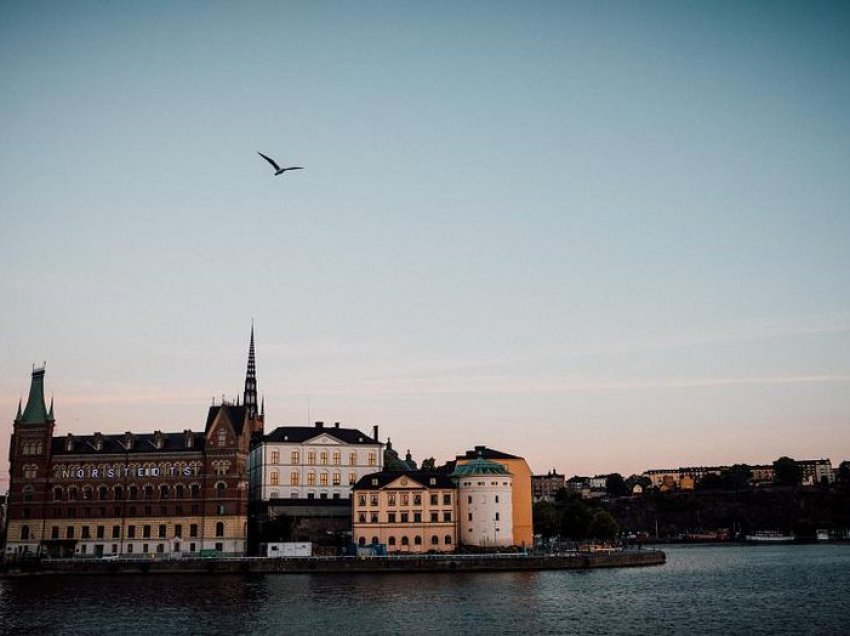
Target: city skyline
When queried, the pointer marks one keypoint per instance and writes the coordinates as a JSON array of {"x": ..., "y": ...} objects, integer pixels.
[{"x": 603, "y": 237}]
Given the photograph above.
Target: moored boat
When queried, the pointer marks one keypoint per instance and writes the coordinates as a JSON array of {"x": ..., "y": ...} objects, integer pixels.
[{"x": 769, "y": 536}]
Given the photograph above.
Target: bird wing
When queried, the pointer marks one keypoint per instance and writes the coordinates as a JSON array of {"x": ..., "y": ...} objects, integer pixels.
[
  {"x": 270, "y": 160},
  {"x": 295, "y": 168}
]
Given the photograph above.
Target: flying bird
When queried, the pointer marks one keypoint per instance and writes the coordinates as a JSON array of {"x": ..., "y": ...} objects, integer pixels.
[{"x": 277, "y": 169}]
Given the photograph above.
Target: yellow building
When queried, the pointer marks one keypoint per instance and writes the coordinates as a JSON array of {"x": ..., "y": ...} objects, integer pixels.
[{"x": 523, "y": 530}]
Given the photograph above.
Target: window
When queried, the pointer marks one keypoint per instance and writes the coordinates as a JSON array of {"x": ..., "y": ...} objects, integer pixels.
[
  {"x": 222, "y": 437},
  {"x": 361, "y": 518},
  {"x": 116, "y": 532},
  {"x": 102, "y": 493},
  {"x": 470, "y": 516},
  {"x": 275, "y": 478},
  {"x": 293, "y": 478},
  {"x": 219, "y": 547},
  {"x": 390, "y": 517},
  {"x": 145, "y": 548},
  {"x": 324, "y": 458},
  {"x": 447, "y": 500},
  {"x": 352, "y": 479},
  {"x": 434, "y": 500},
  {"x": 295, "y": 457},
  {"x": 469, "y": 499},
  {"x": 352, "y": 458},
  {"x": 435, "y": 540},
  {"x": 375, "y": 540},
  {"x": 162, "y": 531},
  {"x": 391, "y": 500},
  {"x": 323, "y": 479},
  {"x": 25, "y": 533},
  {"x": 391, "y": 541},
  {"x": 417, "y": 517},
  {"x": 405, "y": 541},
  {"x": 448, "y": 540},
  {"x": 54, "y": 532},
  {"x": 148, "y": 490},
  {"x": 497, "y": 516},
  {"x": 130, "y": 549},
  {"x": 417, "y": 500},
  {"x": 100, "y": 532},
  {"x": 405, "y": 499},
  {"x": 119, "y": 493},
  {"x": 86, "y": 534},
  {"x": 371, "y": 459},
  {"x": 373, "y": 500},
  {"x": 311, "y": 478},
  {"x": 337, "y": 479},
  {"x": 275, "y": 459},
  {"x": 163, "y": 492},
  {"x": 195, "y": 491},
  {"x": 311, "y": 457},
  {"x": 69, "y": 532},
  {"x": 497, "y": 498},
  {"x": 373, "y": 517},
  {"x": 179, "y": 491},
  {"x": 447, "y": 517},
  {"x": 361, "y": 500},
  {"x": 72, "y": 494},
  {"x": 220, "y": 489},
  {"x": 193, "y": 530},
  {"x": 131, "y": 532},
  {"x": 219, "y": 529},
  {"x": 417, "y": 540},
  {"x": 435, "y": 517},
  {"x": 337, "y": 458},
  {"x": 146, "y": 532},
  {"x": 405, "y": 518},
  {"x": 30, "y": 471},
  {"x": 57, "y": 494}
]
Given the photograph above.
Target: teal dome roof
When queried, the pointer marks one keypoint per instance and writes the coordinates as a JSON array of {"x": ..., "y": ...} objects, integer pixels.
[{"x": 480, "y": 466}]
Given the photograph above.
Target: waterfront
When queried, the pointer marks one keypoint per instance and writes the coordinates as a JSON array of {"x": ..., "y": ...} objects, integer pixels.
[{"x": 701, "y": 589}]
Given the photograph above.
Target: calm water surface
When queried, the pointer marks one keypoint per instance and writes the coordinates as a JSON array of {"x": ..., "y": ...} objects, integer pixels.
[{"x": 701, "y": 590}]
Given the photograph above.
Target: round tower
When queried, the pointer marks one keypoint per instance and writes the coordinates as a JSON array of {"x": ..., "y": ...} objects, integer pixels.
[{"x": 485, "y": 506}]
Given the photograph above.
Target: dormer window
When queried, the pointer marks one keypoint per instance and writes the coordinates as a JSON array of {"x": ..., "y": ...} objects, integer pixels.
[
  {"x": 375, "y": 481},
  {"x": 69, "y": 443},
  {"x": 98, "y": 442},
  {"x": 222, "y": 437},
  {"x": 433, "y": 481}
]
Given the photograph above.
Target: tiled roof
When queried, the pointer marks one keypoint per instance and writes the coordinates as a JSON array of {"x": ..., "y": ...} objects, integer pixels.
[
  {"x": 299, "y": 434},
  {"x": 114, "y": 444},
  {"x": 235, "y": 415},
  {"x": 376, "y": 481}
]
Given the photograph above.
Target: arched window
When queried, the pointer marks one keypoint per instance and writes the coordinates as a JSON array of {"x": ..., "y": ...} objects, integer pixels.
[
  {"x": 296, "y": 458},
  {"x": 311, "y": 478},
  {"x": 391, "y": 541},
  {"x": 133, "y": 492},
  {"x": 27, "y": 493},
  {"x": 337, "y": 479},
  {"x": 119, "y": 493},
  {"x": 87, "y": 493},
  {"x": 293, "y": 478},
  {"x": 220, "y": 489},
  {"x": 219, "y": 529},
  {"x": 417, "y": 540},
  {"x": 435, "y": 540},
  {"x": 179, "y": 491},
  {"x": 337, "y": 458},
  {"x": 102, "y": 493},
  {"x": 361, "y": 541},
  {"x": 274, "y": 478},
  {"x": 195, "y": 489},
  {"x": 57, "y": 494},
  {"x": 25, "y": 533},
  {"x": 352, "y": 479},
  {"x": 275, "y": 457},
  {"x": 163, "y": 492},
  {"x": 448, "y": 539},
  {"x": 405, "y": 541},
  {"x": 323, "y": 479},
  {"x": 375, "y": 541},
  {"x": 324, "y": 457},
  {"x": 352, "y": 458},
  {"x": 72, "y": 494},
  {"x": 148, "y": 490}
]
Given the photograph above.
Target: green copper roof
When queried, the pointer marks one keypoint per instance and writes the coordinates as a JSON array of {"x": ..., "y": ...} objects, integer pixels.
[
  {"x": 36, "y": 411},
  {"x": 480, "y": 466}
]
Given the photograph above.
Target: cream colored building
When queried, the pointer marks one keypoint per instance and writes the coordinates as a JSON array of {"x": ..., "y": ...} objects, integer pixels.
[
  {"x": 408, "y": 512},
  {"x": 485, "y": 504}
]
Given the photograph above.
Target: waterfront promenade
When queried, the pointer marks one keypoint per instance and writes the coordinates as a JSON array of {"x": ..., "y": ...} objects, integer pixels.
[{"x": 383, "y": 564}]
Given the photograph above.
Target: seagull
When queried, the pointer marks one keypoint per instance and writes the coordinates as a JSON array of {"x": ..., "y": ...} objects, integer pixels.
[{"x": 277, "y": 168}]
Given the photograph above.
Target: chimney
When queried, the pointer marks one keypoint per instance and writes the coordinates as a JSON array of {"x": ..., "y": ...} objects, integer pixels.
[
  {"x": 375, "y": 432},
  {"x": 320, "y": 424},
  {"x": 336, "y": 424}
]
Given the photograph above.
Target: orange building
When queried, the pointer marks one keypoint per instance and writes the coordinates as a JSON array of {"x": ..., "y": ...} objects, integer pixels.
[{"x": 523, "y": 529}]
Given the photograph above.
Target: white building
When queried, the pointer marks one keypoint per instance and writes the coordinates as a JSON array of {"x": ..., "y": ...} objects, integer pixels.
[
  {"x": 318, "y": 462},
  {"x": 485, "y": 509}
]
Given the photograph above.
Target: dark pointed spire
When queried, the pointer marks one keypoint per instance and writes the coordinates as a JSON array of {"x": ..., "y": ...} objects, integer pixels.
[
  {"x": 263, "y": 407},
  {"x": 50, "y": 412},
  {"x": 250, "y": 395},
  {"x": 35, "y": 411},
  {"x": 18, "y": 416}
]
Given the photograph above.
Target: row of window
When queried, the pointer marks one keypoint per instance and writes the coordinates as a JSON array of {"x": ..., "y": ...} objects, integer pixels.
[
  {"x": 70, "y": 512},
  {"x": 274, "y": 494},
  {"x": 417, "y": 540},
  {"x": 295, "y": 479},
  {"x": 145, "y": 531},
  {"x": 102, "y": 493},
  {"x": 404, "y": 517},
  {"x": 336, "y": 458},
  {"x": 404, "y": 499},
  {"x": 32, "y": 448},
  {"x": 160, "y": 548}
]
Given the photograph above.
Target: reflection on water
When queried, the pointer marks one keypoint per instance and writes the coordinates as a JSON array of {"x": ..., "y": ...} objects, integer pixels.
[{"x": 764, "y": 589}]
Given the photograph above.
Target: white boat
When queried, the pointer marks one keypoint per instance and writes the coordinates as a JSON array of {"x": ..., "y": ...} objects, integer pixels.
[{"x": 769, "y": 536}]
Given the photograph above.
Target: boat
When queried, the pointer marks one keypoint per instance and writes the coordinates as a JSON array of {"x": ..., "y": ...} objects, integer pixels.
[{"x": 769, "y": 536}]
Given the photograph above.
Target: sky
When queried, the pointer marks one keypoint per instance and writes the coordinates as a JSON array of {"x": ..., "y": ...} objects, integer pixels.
[{"x": 604, "y": 236}]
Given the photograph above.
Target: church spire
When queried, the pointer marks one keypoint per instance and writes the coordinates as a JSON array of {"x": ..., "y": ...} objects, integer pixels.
[
  {"x": 250, "y": 395},
  {"x": 35, "y": 411}
]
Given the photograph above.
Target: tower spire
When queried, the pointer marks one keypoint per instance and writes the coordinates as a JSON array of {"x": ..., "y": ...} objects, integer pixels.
[{"x": 250, "y": 395}]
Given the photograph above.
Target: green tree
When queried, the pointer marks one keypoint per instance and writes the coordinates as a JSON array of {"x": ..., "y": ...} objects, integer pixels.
[
  {"x": 575, "y": 519},
  {"x": 844, "y": 473},
  {"x": 545, "y": 519},
  {"x": 603, "y": 526},
  {"x": 615, "y": 485},
  {"x": 738, "y": 476},
  {"x": 787, "y": 472},
  {"x": 428, "y": 464}
]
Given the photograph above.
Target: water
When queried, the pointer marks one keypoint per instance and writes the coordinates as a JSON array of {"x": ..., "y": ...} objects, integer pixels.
[{"x": 701, "y": 590}]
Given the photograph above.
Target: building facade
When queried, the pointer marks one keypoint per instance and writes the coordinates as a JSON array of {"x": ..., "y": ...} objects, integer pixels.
[
  {"x": 407, "y": 511},
  {"x": 485, "y": 503},
  {"x": 546, "y": 487},
  {"x": 312, "y": 462},
  {"x": 130, "y": 494}
]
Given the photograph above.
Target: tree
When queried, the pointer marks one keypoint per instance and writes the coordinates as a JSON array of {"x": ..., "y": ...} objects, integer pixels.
[
  {"x": 428, "y": 464},
  {"x": 603, "y": 526},
  {"x": 738, "y": 476},
  {"x": 575, "y": 519},
  {"x": 844, "y": 473},
  {"x": 615, "y": 485},
  {"x": 638, "y": 480},
  {"x": 787, "y": 472},
  {"x": 545, "y": 519}
]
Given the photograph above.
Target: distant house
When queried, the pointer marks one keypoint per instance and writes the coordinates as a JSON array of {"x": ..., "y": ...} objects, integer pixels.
[{"x": 546, "y": 487}]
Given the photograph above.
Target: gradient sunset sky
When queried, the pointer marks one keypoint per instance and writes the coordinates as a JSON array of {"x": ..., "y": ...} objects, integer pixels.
[{"x": 605, "y": 236}]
